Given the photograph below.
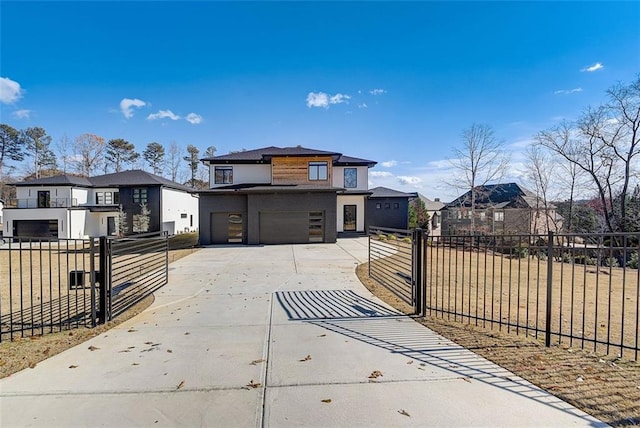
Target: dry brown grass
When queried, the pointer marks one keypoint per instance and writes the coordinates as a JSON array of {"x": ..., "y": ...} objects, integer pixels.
[
  {"x": 590, "y": 302},
  {"x": 608, "y": 389}
]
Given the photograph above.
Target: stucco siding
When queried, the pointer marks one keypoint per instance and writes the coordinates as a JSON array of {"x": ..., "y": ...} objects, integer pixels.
[
  {"x": 243, "y": 174},
  {"x": 359, "y": 202}
]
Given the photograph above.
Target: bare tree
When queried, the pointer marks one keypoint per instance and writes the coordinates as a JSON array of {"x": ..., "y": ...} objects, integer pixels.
[
  {"x": 174, "y": 160},
  {"x": 480, "y": 160},
  {"x": 64, "y": 149},
  {"x": 538, "y": 174},
  {"x": 193, "y": 162},
  {"x": 606, "y": 146},
  {"x": 90, "y": 149}
]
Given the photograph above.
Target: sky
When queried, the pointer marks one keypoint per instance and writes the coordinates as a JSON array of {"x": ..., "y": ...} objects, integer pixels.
[{"x": 393, "y": 82}]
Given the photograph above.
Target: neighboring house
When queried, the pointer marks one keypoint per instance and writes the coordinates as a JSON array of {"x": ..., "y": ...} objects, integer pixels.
[
  {"x": 388, "y": 208},
  {"x": 500, "y": 209},
  {"x": 435, "y": 215},
  {"x": 278, "y": 195},
  {"x": 67, "y": 206}
]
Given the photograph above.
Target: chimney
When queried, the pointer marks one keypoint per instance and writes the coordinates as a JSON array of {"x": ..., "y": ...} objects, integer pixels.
[{"x": 437, "y": 200}]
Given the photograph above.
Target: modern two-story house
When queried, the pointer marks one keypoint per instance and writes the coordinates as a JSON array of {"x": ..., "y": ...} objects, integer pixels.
[
  {"x": 67, "y": 206},
  {"x": 279, "y": 195}
]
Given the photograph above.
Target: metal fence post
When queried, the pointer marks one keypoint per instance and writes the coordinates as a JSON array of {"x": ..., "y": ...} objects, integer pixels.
[
  {"x": 418, "y": 271},
  {"x": 94, "y": 277},
  {"x": 105, "y": 279},
  {"x": 547, "y": 338}
]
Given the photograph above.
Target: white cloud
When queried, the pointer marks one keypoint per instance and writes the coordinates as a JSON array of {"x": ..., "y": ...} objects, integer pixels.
[
  {"x": 319, "y": 99},
  {"x": 363, "y": 105},
  {"x": 380, "y": 174},
  {"x": 567, "y": 91},
  {"x": 409, "y": 180},
  {"x": 389, "y": 164},
  {"x": 127, "y": 104},
  {"x": 377, "y": 91},
  {"x": 162, "y": 114},
  {"x": 22, "y": 114},
  {"x": 339, "y": 99},
  {"x": 595, "y": 67},
  {"x": 193, "y": 118},
  {"x": 10, "y": 91},
  {"x": 324, "y": 100}
]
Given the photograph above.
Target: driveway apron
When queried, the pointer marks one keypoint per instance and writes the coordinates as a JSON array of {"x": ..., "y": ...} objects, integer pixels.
[{"x": 274, "y": 336}]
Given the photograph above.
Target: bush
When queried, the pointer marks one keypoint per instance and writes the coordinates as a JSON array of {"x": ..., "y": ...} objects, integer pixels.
[
  {"x": 406, "y": 239},
  {"x": 611, "y": 262},
  {"x": 392, "y": 237},
  {"x": 520, "y": 251},
  {"x": 382, "y": 237},
  {"x": 633, "y": 261}
]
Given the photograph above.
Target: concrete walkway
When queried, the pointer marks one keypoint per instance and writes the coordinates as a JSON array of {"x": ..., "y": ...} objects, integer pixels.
[{"x": 274, "y": 336}]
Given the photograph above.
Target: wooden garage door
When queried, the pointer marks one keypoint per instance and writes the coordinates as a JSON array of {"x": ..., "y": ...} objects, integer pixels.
[{"x": 285, "y": 227}]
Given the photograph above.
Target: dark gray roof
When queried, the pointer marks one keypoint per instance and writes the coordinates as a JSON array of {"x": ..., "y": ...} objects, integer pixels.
[
  {"x": 265, "y": 154},
  {"x": 383, "y": 192},
  {"x": 497, "y": 195},
  {"x": 134, "y": 177},
  {"x": 57, "y": 180},
  {"x": 431, "y": 205}
]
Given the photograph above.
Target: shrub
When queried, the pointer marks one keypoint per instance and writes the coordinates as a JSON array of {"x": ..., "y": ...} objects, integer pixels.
[
  {"x": 406, "y": 239},
  {"x": 633, "y": 261},
  {"x": 392, "y": 237},
  {"x": 611, "y": 262},
  {"x": 520, "y": 251},
  {"x": 382, "y": 237}
]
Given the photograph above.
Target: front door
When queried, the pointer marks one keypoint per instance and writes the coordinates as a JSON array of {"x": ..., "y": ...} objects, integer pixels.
[
  {"x": 349, "y": 218},
  {"x": 111, "y": 226}
]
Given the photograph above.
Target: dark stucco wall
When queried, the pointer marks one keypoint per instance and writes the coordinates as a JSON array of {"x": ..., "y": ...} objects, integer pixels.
[
  {"x": 288, "y": 227},
  {"x": 395, "y": 218},
  {"x": 131, "y": 208}
]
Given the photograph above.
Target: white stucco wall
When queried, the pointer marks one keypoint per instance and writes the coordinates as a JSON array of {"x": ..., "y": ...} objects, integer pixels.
[
  {"x": 244, "y": 174},
  {"x": 362, "y": 180},
  {"x": 359, "y": 202},
  {"x": 14, "y": 214},
  {"x": 175, "y": 203}
]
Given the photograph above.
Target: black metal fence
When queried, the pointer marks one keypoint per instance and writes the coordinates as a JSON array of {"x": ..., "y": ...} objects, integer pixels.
[
  {"x": 391, "y": 262},
  {"x": 579, "y": 290},
  {"x": 60, "y": 284}
]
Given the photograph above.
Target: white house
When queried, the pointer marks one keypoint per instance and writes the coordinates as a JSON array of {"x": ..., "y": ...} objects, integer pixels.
[{"x": 67, "y": 206}]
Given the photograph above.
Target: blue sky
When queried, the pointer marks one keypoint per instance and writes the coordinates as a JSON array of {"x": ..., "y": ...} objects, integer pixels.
[{"x": 393, "y": 82}]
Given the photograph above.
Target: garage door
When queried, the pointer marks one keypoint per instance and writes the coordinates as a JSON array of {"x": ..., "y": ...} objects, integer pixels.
[
  {"x": 288, "y": 227},
  {"x": 36, "y": 228}
]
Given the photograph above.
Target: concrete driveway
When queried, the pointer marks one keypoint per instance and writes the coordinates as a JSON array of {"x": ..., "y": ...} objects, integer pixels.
[{"x": 274, "y": 336}]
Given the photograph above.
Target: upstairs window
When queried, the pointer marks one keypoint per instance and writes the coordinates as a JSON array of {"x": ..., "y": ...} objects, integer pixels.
[
  {"x": 139, "y": 196},
  {"x": 318, "y": 171},
  {"x": 498, "y": 216},
  {"x": 350, "y": 178},
  {"x": 99, "y": 198},
  {"x": 223, "y": 175}
]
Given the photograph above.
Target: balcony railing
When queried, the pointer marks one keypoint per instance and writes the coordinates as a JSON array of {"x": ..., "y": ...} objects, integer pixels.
[{"x": 38, "y": 203}]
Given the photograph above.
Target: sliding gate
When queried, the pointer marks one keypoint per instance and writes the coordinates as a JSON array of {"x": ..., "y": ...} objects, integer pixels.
[{"x": 395, "y": 261}]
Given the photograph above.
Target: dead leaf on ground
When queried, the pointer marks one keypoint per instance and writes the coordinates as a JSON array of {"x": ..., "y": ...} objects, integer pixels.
[
  {"x": 326, "y": 400},
  {"x": 32, "y": 365},
  {"x": 135, "y": 364},
  {"x": 169, "y": 351},
  {"x": 466, "y": 379},
  {"x": 73, "y": 366},
  {"x": 131, "y": 330},
  {"x": 375, "y": 374},
  {"x": 322, "y": 335},
  {"x": 404, "y": 412},
  {"x": 253, "y": 384},
  {"x": 307, "y": 358},
  {"x": 254, "y": 362},
  {"x": 187, "y": 333},
  {"x": 180, "y": 385},
  {"x": 92, "y": 348},
  {"x": 410, "y": 362}
]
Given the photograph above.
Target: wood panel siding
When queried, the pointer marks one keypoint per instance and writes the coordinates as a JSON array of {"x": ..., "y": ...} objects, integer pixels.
[{"x": 295, "y": 170}]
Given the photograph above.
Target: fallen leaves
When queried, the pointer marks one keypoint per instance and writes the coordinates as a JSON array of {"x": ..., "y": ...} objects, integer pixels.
[
  {"x": 253, "y": 385},
  {"x": 404, "y": 413},
  {"x": 326, "y": 400},
  {"x": 180, "y": 385},
  {"x": 307, "y": 358},
  {"x": 255, "y": 362},
  {"x": 375, "y": 374},
  {"x": 73, "y": 366},
  {"x": 92, "y": 348}
]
